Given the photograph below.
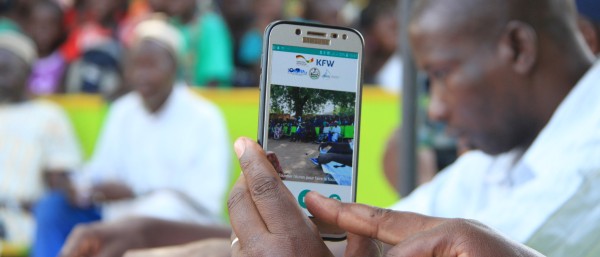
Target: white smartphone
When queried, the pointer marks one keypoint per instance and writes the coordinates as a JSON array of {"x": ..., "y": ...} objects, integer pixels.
[{"x": 311, "y": 84}]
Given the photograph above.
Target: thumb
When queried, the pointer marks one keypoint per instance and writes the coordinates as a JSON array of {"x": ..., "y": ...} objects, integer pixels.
[{"x": 359, "y": 246}]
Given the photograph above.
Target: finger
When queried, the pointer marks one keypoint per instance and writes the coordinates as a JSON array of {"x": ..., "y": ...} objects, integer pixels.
[
  {"x": 236, "y": 249},
  {"x": 363, "y": 246},
  {"x": 428, "y": 243},
  {"x": 81, "y": 242},
  {"x": 385, "y": 225},
  {"x": 272, "y": 157},
  {"x": 243, "y": 215},
  {"x": 274, "y": 202}
]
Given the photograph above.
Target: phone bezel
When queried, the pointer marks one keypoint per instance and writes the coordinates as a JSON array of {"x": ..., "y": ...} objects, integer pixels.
[{"x": 265, "y": 66}]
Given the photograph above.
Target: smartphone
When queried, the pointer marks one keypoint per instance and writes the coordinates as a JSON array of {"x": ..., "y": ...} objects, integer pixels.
[{"x": 311, "y": 84}]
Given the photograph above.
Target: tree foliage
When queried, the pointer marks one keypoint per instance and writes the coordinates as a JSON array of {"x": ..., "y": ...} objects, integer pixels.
[{"x": 300, "y": 101}]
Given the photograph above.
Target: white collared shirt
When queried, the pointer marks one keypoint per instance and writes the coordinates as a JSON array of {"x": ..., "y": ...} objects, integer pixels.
[
  {"x": 517, "y": 195},
  {"x": 183, "y": 147},
  {"x": 35, "y": 136}
]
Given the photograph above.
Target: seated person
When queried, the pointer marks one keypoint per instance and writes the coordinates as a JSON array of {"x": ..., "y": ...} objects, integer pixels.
[
  {"x": 324, "y": 136},
  {"x": 378, "y": 22},
  {"x": 97, "y": 71},
  {"x": 208, "y": 46},
  {"x": 46, "y": 28},
  {"x": 337, "y": 152},
  {"x": 163, "y": 150},
  {"x": 38, "y": 148},
  {"x": 335, "y": 132}
]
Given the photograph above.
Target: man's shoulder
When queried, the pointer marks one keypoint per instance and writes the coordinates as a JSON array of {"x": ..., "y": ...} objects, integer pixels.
[{"x": 45, "y": 108}]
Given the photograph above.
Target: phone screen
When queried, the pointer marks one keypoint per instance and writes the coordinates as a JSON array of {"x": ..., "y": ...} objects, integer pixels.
[{"x": 312, "y": 98}]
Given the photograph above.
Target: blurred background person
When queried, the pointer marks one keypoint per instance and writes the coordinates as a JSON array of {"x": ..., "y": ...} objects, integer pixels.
[
  {"x": 45, "y": 26},
  {"x": 382, "y": 63},
  {"x": 14, "y": 14},
  {"x": 208, "y": 47},
  {"x": 38, "y": 148},
  {"x": 264, "y": 12},
  {"x": 97, "y": 22},
  {"x": 589, "y": 23},
  {"x": 99, "y": 70},
  {"x": 163, "y": 151},
  {"x": 327, "y": 12},
  {"x": 238, "y": 15},
  {"x": 93, "y": 48}
]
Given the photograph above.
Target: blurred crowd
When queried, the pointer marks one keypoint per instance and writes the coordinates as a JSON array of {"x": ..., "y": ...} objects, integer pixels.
[
  {"x": 142, "y": 56},
  {"x": 81, "y": 43}
]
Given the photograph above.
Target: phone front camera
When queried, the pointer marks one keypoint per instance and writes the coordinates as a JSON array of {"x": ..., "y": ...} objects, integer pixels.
[
  {"x": 298, "y": 31},
  {"x": 334, "y": 35}
]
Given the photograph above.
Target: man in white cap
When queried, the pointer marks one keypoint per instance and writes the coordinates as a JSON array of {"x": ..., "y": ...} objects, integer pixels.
[
  {"x": 37, "y": 146},
  {"x": 163, "y": 152}
]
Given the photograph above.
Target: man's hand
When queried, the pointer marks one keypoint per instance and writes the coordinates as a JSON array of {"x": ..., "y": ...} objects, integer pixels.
[
  {"x": 115, "y": 238},
  {"x": 264, "y": 214},
  {"x": 203, "y": 248},
  {"x": 59, "y": 180},
  {"x": 268, "y": 222},
  {"x": 415, "y": 235},
  {"x": 111, "y": 191},
  {"x": 105, "y": 239}
]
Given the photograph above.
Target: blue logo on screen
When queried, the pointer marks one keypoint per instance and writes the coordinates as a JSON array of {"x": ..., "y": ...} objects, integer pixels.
[
  {"x": 297, "y": 71},
  {"x": 322, "y": 62}
]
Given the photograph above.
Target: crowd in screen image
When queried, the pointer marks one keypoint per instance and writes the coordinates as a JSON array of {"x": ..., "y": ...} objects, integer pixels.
[{"x": 314, "y": 128}]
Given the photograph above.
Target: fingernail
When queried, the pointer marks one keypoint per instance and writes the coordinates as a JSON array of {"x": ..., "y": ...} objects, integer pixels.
[{"x": 239, "y": 147}]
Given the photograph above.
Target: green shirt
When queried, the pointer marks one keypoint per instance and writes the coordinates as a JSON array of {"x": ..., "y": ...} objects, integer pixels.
[
  {"x": 8, "y": 25},
  {"x": 207, "y": 50}
]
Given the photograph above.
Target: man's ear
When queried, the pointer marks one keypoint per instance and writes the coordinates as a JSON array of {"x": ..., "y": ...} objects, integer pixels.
[
  {"x": 519, "y": 46},
  {"x": 589, "y": 33}
]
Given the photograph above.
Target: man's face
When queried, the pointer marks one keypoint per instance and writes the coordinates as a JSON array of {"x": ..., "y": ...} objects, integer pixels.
[
  {"x": 101, "y": 10},
  {"x": 151, "y": 72},
  {"x": 13, "y": 76},
  {"x": 473, "y": 90},
  {"x": 45, "y": 27}
]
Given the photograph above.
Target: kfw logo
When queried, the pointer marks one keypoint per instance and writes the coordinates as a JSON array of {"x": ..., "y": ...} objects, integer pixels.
[{"x": 328, "y": 63}]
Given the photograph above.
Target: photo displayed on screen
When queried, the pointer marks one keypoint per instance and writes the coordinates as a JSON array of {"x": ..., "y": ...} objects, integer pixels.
[{"x": 312, "y": 133}]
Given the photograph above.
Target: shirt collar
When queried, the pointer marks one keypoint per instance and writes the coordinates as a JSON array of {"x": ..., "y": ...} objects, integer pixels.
[{"x": 572, "y": 133}]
